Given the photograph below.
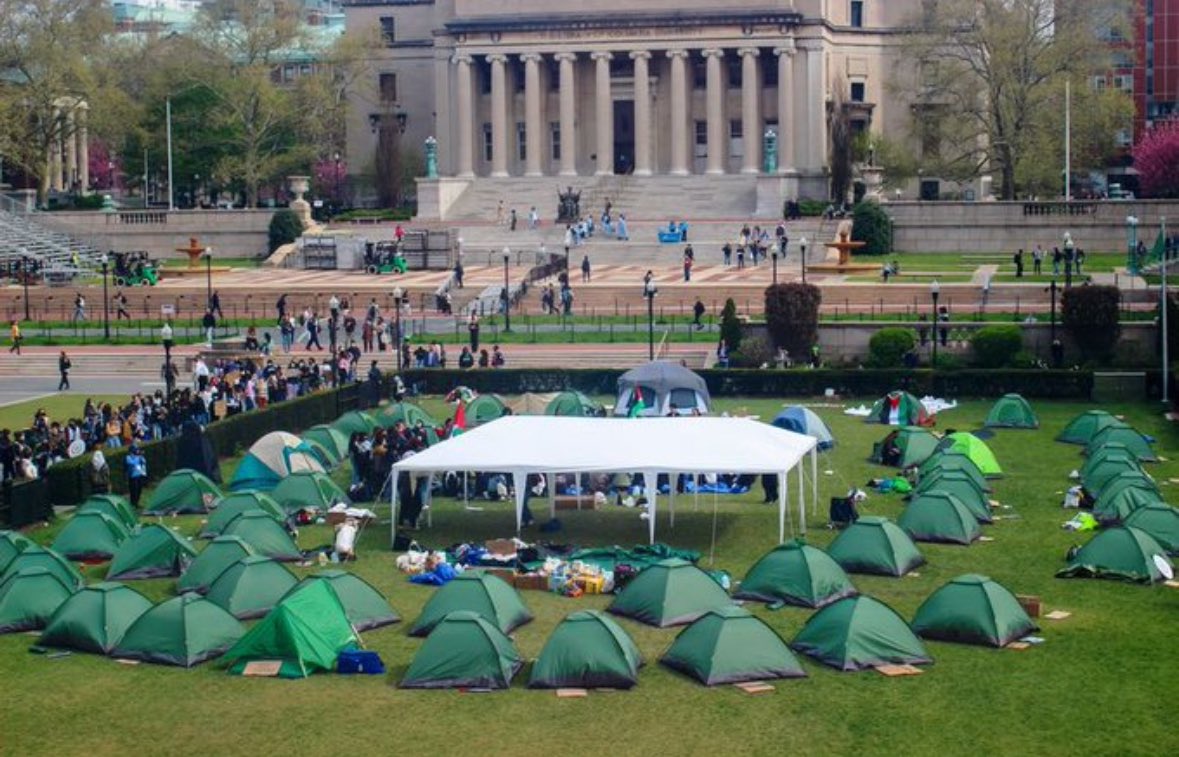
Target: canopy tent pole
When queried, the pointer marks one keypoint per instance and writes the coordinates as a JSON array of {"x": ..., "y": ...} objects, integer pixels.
[
  {"x": 393, "y": 506},
  {"x": 551, "y": 485},
  {"x": 671, "y": 495},
  {"x": 781, "y": 507},
  {"x": 519, "y": 480},
  {"x": 815, "y": 481},
  {"x": 650, "y": 480},
  {"x": 712, "y": 543},
  {"x": 466, "y": 493},
  {"x": 429, "y": 499},
  {"x": 801, "y": 503}
]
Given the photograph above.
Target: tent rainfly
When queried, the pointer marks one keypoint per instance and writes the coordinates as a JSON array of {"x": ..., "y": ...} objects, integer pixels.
[
  {"x": 184, "y": 631},
  {"x": 523, "y": 444},
  {"x": 183, "y": 491},
  {"x": 730, "y": 645},
  {"x": 973, "y": 609},
  {"x": 29, "y": 597},
  {"x": 587, "y": 650},
  {"x": 12, "y": 543},
  {"x": 272, "y": 458},
  {"x": 1011, "y": 411},
  {"x": 662, "y": 387}
]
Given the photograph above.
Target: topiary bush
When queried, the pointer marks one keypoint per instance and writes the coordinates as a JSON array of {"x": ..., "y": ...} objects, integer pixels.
[
  {"x": 730, "y": 326},
  {"x": 996, "y": 346},
  {"x": 872, "y": 225},
  {"x": 887, "y": 348},
  {"x": 792, "y": 316},
  {"x": 285, "y": 227},
  {"x": 755, "y": 352},
  {"x": 1091, "y": 313}
]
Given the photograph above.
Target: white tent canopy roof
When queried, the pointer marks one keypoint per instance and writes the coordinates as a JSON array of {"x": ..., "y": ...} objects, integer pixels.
[{"x": 553, "y": 444}]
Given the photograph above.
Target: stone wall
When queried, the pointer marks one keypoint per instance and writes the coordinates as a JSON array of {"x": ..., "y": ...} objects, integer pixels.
[{"x": 231, "y": 233}]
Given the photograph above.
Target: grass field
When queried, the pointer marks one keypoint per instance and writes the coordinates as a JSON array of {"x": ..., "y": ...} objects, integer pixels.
[
  {"x": 1101, "y": 684},
  {"x": 60, "y": 407}
]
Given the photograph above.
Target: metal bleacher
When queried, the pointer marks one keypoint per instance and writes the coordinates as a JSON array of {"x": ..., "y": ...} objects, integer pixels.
[{"x": 59, "y": 257}]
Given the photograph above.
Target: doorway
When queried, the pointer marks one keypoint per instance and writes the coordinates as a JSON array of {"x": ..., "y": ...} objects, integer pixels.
[{"x": 624, "y": 136}]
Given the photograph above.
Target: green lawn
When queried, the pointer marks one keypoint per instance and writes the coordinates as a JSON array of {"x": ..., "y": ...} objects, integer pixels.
[
  {"x": 1101, "y": 684},
  {"x": 60, "y": 407}
]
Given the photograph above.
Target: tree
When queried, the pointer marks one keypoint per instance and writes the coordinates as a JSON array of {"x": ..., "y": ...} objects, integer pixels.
[
  {"x": 1156, "y": 158},
  {"x": 989, "y": 78},
  {"x": 792, "y": 316},
  {"x": 1091, "y": 314},
  {"x": 731, "y": 331}
]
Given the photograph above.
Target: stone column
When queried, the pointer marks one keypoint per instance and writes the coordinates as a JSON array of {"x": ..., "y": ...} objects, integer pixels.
[
  {"x": 714, "y": 98},
  {"x": 499, "y": 115},
  {"x": 679, "y": 112},
  {"x": 642, "y": 113},
  {"x": 55, "y": 152},
  {"x": 69, "y": 136},
  {"x": 83, "y": 148},
  {"x": 465, "y": 165},
  {"x": 568, "y": 113},
  {"x": 750, "y": 119},
  {"x": 604, "y": 112},
  {"x": 532, "y": 125},
  {"x": 786, "y": 130},
  {"x": 816, "y": 113}
]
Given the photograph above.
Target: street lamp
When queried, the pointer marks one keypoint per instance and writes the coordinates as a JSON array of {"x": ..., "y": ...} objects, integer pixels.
[
  {"x": 1069, "y": 252},
  {"x": 507, "y": 295},
  {"x": 397, "y": 291},
  {"x": 25, "y": 274},
  {"x": 209, "y": 278},
  {"x": 802, "y": 258},
  {"x": 1052, "y": 289},
  {"x": 166, "y": 338},
  {"x": 649, "y": 292},
  {"x": 1132, "y": 245},
  {"x": 337, "y": 193},
  {"x": 935, "y": 290},
  {"x": 106, "y": 309}
]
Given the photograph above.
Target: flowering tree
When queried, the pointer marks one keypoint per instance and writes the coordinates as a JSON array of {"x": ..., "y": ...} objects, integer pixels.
[
  {"x": 104, "y": 166},
  {"x": 1156, "y": 158},
  {"x": 330, "y": 179}
]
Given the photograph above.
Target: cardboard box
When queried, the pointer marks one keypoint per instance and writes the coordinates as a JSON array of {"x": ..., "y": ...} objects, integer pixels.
[
  {"x": 1030, "y": 604},
  {"x": 504, "y": 573},
  {"x": 591, "y": 584},
  {"x": 575, "y": 502},
  {"x": 531, "y": 582}
]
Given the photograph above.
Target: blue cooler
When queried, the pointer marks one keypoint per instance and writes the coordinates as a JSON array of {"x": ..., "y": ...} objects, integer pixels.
[{"x": 360, "y": 661}]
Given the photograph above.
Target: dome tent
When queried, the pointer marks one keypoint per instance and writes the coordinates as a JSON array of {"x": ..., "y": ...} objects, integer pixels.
[
  {"x": 973, "y": 609},
  {"x": 271, "y": 459},
  {"x": 730, "y": 645},
  {"x": 212, "y": 562},
  {"x": 573, "y": 403},
  {"x": 355, "y": 422},
  {"x": 946, "y": 461},
  {"x": 408, "y": 413},
  {"x": 265, "y": 535},
  {"x": 114, "y": 505},
  {"x": 484, "y": 408},
  {"x": 904, "y": 447},
  {"x": 233, "y": 505},
  {"x": 91, "y": 535},
  {"x": 154, "y": 552},
  {"x": 95, "y": 619},
  {"x": 29, "y": 597},
  {"x": 671, "y": 592},
  {"x": 663, "y": 387},
  {"x": 308, "y": 489},
  {"x": 43, "y": 557},
  {"x": 939, "y": 517},
  {"x": 250, "y": 587},
  {"x": 858, "y": 633},
  {"x": 803, "y": 420},
  {"x": 899, "y": 409},
  {"x": 332, "y": 440},
  {"x": 1122, "y": 553},
  {"x": 365, "y": 607},
  {"x": 1083, "y": 428},
  {"x": 1160, "y": 521},
  {"x": 12, "y": 543},
  {"x": 1122, "y": 433},
  {"x": 962, "y": 486},
  {"x": 1122, "y": 495},
  {"x": 1097, "y": 471},
  {"x": 181, "y": 492},
  {"x": 798, "y": 574},
  {"x": 482, "y": 593},
  {"x": 184, "y": 631},
  {"x": 464, "y": 650},
  {"x": 587, "y": 650},
  {"x": 877, "y": 546},
  {"x": 975, "y": 449},
  {"x": 1011, "y": 411}
]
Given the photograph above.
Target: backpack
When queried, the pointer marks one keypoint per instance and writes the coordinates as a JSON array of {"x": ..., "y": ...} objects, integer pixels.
[{"x": 842, "y": 512}]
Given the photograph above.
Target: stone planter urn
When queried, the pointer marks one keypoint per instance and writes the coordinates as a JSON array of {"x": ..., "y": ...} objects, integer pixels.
[{"x": 299, "y": 186}]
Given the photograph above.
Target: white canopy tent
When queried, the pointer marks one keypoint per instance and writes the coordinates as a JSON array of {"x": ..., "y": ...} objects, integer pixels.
[{"x": 521, "y": 445}]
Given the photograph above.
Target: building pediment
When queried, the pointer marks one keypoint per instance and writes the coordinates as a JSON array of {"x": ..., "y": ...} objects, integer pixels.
[{"x": 624, "y": 23}]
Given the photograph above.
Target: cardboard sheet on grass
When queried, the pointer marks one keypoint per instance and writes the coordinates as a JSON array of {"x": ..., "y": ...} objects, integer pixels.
[{"x": 520, "y": 445}]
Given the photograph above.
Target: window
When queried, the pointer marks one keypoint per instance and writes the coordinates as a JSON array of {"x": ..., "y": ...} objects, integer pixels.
[
  {"x": 555, "y": 134},
  {"x": 1098, "y": 83},
  {"x": 699, "y": 73},
  {"x": 521, "y": 140},
  {"x": 1123, "y": 138},
  {"x": 554, "y": 67},
  {"x": 388, "y": 30},
  {"x": 516, "y": 69},
  {"x": 622, "y": 67},
  {"x": 701, "y": 142},
  {"x": 769, "y": 70},
  {"x": 734, "y": 67},
  {"x": 487, "y": 142},
  {"x": 857, "y": 91},
  {"x": 485, "y": 77},
  {"x": 736, "y": 140},
  {"x": 857, "y": 14},
  {"x": 388, "y": 87},
  {"x": 681, "y": 399}
]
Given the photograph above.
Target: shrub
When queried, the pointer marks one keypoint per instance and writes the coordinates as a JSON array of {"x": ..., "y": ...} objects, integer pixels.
[
  {"x": 1156, "y": 158},
  {"x": 1090, "y": 314},
  {"x": 792, "y": 316},
  {"x": 872, "y": 225},
  {"x": 285, "y": 227},
  {"x": 755, "y": 352},
  {"x": 887, "y": 348},
  {"x": 996, "y": 346},
  {"x": 730, "y": 326}
]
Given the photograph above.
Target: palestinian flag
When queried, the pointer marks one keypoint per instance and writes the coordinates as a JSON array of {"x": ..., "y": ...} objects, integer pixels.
[
  {"x": 460, "y": 419},
  {"x": 638, "y": 406}
]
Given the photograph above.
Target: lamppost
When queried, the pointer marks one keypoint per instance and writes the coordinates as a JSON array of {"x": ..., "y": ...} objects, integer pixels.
[
  {"x": 802, "y": 258},
  {"x": 106, "y": 309},
  {"x": 24, "y": 275},
  {"x": 1069, "y": 252},
  {"x": 209, "y": 278},
  {"x": 935, "y": 291},
  {"x": 1132, "y": 245},
  {"x": 337, "y": 192},
  {"x": 1051, "y": 289},
  {"x": 166, "y": 339},
  {"x": 332, "y": 325},
  {"x": 649, "y": 292},
  {"x": 397, "y": 291},
  {"x": 774, "y": 260},
  {"x": 507, "y": 298}
]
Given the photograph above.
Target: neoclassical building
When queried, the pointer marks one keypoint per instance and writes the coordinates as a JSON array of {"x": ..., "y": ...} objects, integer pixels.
[{"x": 554, "y": 88}]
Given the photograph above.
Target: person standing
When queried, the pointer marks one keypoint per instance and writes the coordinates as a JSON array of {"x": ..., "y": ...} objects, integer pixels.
[
  {"x": 687, "y": 265},
  {"x": 512, "y": 220},
  {"x": 499, "y": 213},
  {"x": 458, "y": 273},
  {"x": 334, "y": 307},
  {"x": 166, "y": 337},
  {"x": 79, "y": 307},
  {"x": 14, "y": 332},
  {"x": 215, "y": 304},
  {"x": 121, "y": 305},
  {"x": 281, "y": 306},
  {"x": 63, "y": 367},
  {"x": 1018, "y": 260},
  {"x": 136, "y": 473},
  {"x": 533, "y": 219},
  {"x": 585, "y": 269},
  {"x": 100, "y": 473},
  {"x": 698, "y": 312},
  {"x": 210, "y": 325},
  {"x": 1037, "y": 260},
  {"x": 473, "y": 331},
  {"x": 313, "y": 333}
]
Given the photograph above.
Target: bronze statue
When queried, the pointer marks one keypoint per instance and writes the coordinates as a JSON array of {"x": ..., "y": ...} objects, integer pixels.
[{"x": 568, "y": 205}]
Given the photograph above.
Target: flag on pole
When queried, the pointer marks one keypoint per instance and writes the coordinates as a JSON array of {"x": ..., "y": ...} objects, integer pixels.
[{"x": 639, "y": 406}]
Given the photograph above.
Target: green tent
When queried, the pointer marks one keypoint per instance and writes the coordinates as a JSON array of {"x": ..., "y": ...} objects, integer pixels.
[
  {"x": 1160, "y": 521},
  {"x": 114, "y": 505},
  {"x": 250, "y": 587},
  {"x": 962, "y": 486},
  {"x": 331, "y": 439},
  {"x": 1083, "y": 428},
  {"x": 945, "y": 461},
  {"x": 1122, "y": 553},
  {"x": 939, "y": 517},
  {"x": 355, "y": 422},
  {"x": 587, "y": 650},
  {"x": 875, "y": 545},
  {"x": 1011, "y": 411},
  {"x": 858, "y": 633},
  {"x": 975, "y": 449},
  {"x": 575, "y": 404},
  {"x": 272, "y": 458},
  {"x": 464, "y": 650},
  {"x": 1122, "y": 495},
  {"x": 43, "y": 557},
  {"x": 729, "y": 645},
  {"x": 91, "y": 536},
  {"x": 183, "y": 491},
  {"x": 212, "y": 562},
  {"x": 365, "y": 607},
  {"x": 479, "y": 592},
  {"x": 904, "y": 447},
  {"x": 12, "y": 543},
  {"x": 156, "y": 551},
  {"x": 314, "y": 490},
  {"x": 29, "y": 597},
  {"x": 265, "y": 535},
  {"x": 483, "y": 409},
  {"x": 1122, "y": 433},
  {"x": 95, "y": 619},
  {"x": 973, "y": 609},
  {"x": 233, "y": 505},
  {"x": 671, "y": 592},
  {"x": 1097, "y": 471},
  {"x": 184, "y": 631},
  {"x": 411, "y": 415},
  {"x": 306, "y": 632},
  {"x": 798, "y": 574},
  {"x": 899, "y": 409}
]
